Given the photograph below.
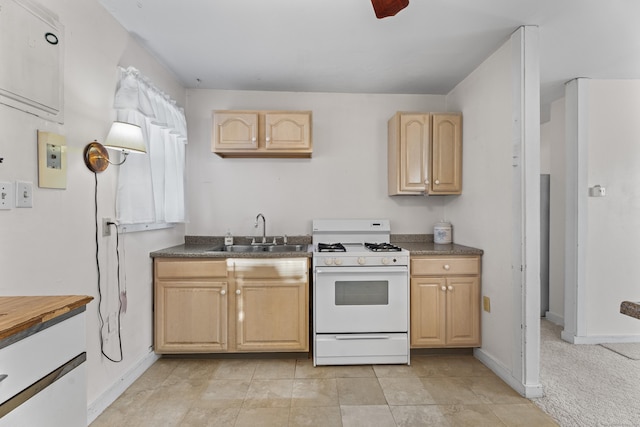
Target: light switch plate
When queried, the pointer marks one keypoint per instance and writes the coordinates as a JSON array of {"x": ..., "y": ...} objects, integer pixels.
[
  {"x": 24, "y": 194},
  {"x": 52, "y": 160},
  {"x": 6, "y": 196}
]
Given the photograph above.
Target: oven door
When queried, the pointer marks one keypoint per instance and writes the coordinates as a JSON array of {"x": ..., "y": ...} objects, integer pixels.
[{"x": 361, "y": 299}]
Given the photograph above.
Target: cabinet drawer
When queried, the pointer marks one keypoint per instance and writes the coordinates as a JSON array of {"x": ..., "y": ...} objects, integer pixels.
[
  {"x": 438, "y": 266},
  {"x": 182, "y": 268},
  {"x": 63, "y": 403},
  {"x": 26, "y": 361}
]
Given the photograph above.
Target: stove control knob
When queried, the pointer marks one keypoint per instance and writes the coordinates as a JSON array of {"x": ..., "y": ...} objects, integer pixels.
[
  {"x": 337, "y": 261},
  {"x": 361, "y": 260},
  {"x": 385, "y": 261},
  {"x": 328, "y": 261}
]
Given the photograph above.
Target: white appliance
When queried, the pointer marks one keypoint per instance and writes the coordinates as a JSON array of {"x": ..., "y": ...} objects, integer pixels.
[{"x": 360, "y": 294}]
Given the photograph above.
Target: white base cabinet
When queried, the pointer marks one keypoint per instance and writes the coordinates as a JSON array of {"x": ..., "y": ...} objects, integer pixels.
[{"x": 43, "y": 375}]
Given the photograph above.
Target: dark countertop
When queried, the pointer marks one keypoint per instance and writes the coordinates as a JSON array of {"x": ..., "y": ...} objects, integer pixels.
[
  {"x": 201, "y": 247},
  {"x": 194, "y": 250},
  {"x": 430, "y": 248},
  {"x": 630, "y": 309}
]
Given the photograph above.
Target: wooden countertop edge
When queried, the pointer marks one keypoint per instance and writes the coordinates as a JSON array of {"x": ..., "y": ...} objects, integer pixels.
[{"x": 18, "y": 313}]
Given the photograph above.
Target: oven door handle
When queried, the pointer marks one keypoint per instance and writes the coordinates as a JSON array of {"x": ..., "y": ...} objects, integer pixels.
[
  {"x": 362, "y": 337},
  {"x": 347, "y": 270}
]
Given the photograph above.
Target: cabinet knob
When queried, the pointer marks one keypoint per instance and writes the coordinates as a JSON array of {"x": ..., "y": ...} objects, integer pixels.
[
  {"x": 268, "y": 139},
  {"x": 444, "y": 288},
  {"x": 237, "y": 291},
  {"x": 426, "y": 181},
  {"x": 450, "y": 288},
  {"x": 447, "y": 267},
  {"x": 223, "y": 292},
  {"x": 253, "y": 139},
  {"x": 437, "y": 181}
]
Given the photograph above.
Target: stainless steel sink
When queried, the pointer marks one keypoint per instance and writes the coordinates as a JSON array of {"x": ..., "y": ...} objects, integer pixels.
[
  {"x": 243, "y": 248},
  {"x": 287, "y": 248},
  {"x": 259, "y": 248}
]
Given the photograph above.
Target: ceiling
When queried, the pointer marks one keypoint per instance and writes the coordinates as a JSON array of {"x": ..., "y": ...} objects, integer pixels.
[{"x": 340, "y": 45}]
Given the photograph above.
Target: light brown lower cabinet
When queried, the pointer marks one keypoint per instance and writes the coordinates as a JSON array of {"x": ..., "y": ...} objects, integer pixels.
[
  {"x": 233, "y": 305},
  {"x": 445, "y": 301},
  {"x": 272, "y": 304}
]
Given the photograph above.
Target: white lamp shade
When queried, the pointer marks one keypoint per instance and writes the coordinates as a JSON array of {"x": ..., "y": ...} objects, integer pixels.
[{"x": 125, "y": 136}]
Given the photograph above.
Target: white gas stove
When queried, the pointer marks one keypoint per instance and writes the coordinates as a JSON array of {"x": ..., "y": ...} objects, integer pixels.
[
  {"x": 361, "y": 293},
  {"x": 355, "y": 242}
]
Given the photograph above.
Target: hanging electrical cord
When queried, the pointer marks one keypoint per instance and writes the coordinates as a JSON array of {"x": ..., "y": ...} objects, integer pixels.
[
  {"x": 100, "y": 318},
  {"x": 123, "y": 260},
  {"x": 119, "y": 288}
]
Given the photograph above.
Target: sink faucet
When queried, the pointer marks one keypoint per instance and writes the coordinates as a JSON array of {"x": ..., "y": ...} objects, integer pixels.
[{"x": 264, "y": 227}]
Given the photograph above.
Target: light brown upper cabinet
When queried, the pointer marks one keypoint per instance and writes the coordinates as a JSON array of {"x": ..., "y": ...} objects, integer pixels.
[
  {"x": 425, "y": 153},
  {"x": 262, "y": 134}
]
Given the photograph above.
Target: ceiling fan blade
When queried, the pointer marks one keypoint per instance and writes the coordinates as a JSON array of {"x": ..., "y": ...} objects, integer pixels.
[{"x": 384, "y": 8}]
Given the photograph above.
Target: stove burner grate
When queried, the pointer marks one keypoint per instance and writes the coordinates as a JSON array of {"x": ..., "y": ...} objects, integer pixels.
[
  {"x": 382, "y": 247},
  {"x": 331, "y": 247}
]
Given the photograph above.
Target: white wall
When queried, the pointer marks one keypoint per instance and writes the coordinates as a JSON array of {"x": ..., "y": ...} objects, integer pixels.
[
  {"x": 483, "y": 216},
  {"x": 346, "y": 177},
  {"x": 613, "y": 222},
  {"x": 601, "y": 232},
  {"x": 50, "y": 249},
  {"x": 499, "y": 210}
]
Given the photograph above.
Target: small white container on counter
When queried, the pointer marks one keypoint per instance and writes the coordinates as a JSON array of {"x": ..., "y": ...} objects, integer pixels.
[{"x": 442, "y": 233}]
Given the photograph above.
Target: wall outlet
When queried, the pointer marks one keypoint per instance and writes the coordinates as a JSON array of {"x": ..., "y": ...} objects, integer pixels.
[
  {"x": 6, "y": 196},
  {"x": 106, "y": 228},
  {"x": 486, "y": 304}
]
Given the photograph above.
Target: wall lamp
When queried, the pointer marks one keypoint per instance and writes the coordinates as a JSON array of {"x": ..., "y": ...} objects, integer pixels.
[{"x": 122, "y": 136}]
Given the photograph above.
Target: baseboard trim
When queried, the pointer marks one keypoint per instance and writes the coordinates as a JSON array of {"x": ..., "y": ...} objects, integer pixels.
[
  {"x": 554, "y": 318},
  {"x": 95, "y": 408},
  {"x": 525, "y": 390}
]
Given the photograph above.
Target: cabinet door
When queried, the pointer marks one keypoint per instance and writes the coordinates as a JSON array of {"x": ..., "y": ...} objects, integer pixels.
[
  {"x": 288, "y": 131},
  {"x": 414, "y": 152},
  {"x": 428, "y": 305},
  {"x": 191, "y": 316},
  {"x": 463, "y": 311},
  {"x": 235, "y": 131},
  {"x": 272, "y": 315},
  {"x": 446, "y": 146}
]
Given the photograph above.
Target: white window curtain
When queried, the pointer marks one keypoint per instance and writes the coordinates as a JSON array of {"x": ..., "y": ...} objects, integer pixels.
[{"x": 151, "y": 187}]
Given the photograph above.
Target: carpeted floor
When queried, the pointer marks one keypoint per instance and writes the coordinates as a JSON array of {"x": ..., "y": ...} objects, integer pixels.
[
  {"x": 587, "y": 385},
  {"x": 628, "y": 350}
]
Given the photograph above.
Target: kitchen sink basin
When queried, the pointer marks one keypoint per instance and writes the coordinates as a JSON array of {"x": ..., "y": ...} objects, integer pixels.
[
  {"x": 243, "y": 248},
  {"x": 287, "y": 248},
  {"x": 260, "y": 248}
]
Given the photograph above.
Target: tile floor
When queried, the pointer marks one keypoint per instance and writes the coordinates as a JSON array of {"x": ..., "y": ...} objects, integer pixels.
[{"x": 433, "y": 391}]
